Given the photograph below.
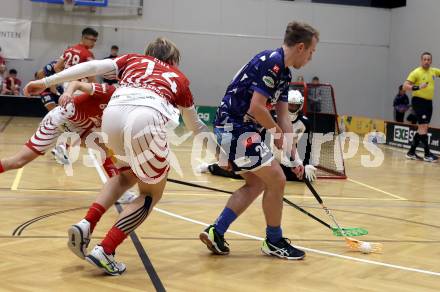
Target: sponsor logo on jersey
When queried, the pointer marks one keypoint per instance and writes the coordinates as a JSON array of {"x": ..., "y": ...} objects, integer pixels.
[
  {"x": 268, "y": 81},
  {"x": 276, "y": 69}
]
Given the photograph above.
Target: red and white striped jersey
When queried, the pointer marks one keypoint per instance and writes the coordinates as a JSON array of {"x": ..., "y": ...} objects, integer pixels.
[
  {"x": 80, "y": 116},
  {"x": 88, "y": 108},
  {"x": 145, "y": 72}
]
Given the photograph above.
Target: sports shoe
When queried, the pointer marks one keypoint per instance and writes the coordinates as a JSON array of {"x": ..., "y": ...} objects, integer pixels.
[
  {"x": 127, "y": 197},
  {"x": 202, "y": 167},
  {"x": 79, "y": 238},
  {"x": 105, "y": 262},
  {"x": 413, "y": 156},
  {"x": 60, "y": 154},
  {"x": 214, "y": 241},
  {"x": 430, "y": 158},
  {"x": 282, "y": 249}
]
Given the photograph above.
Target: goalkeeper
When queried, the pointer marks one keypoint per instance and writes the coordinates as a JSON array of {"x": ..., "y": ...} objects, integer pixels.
[{"x": 300, "y": 125}]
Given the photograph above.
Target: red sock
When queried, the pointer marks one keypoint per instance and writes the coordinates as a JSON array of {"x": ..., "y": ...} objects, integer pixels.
[
  {"x": 1, "y": 167},
  {"x": 110, "y": 168},
  {"x": 113, "y": 239},
  {"x": 94, "y": 214}
]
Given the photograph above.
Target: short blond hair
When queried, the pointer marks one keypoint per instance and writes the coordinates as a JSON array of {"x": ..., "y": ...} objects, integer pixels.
[
  {"x": 299, "y": 32},
  {"x": 164, "y": 50}
]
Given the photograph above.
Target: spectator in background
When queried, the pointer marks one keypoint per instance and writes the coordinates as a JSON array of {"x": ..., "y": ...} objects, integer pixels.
[
  {"x": 412, "y": 118},
  {"x": 2, "y": 59},
  {"x": 2, "y": 77},
  {"x": 113, "y": 54},
  {"x": 12, "y": 83},
  {"x": 314, "y": 96},
  {"x": 2, "y": 70},
  {"x": 401, "y": 105}
]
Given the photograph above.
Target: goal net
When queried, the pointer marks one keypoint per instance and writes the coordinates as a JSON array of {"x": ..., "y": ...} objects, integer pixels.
[{"x": 320, "y": 109}]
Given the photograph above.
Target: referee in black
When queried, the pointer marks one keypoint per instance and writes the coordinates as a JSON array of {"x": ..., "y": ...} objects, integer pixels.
[{"x": 421, "y": 81}]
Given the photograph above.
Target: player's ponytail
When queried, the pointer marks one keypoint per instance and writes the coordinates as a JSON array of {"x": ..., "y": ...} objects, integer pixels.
[{"x": 164, "y": 50}]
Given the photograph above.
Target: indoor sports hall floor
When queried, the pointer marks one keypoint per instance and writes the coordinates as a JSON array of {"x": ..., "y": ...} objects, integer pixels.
[{"x": 398, "y": 203}]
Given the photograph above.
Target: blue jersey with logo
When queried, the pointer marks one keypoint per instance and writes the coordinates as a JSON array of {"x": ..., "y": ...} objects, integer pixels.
[
  {"x": 49, "y": 70},
  {"x": 265, "y": 74}
]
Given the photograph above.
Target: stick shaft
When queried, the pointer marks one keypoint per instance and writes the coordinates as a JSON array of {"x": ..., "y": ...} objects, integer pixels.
[
  {"x": 228, "y": 192},
  {"x": 327, "y": 211},
  {"x": 307, "y": 213},
  {"x": 314, "y": 192}
]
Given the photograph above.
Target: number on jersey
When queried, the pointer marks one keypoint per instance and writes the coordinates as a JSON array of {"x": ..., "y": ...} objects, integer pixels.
[
  {"x": 166, "y": 75},
  {"x": 72, "y": 59}
]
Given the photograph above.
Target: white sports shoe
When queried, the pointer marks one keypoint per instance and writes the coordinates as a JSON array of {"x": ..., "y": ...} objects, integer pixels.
[
  {"x": 202, "y": 167},
  {"x": 127, "y": 197},
  {"x": 105, "y": 262},
  {"x": 60, "y": 154},
  {"x": 79, "y": 238}
]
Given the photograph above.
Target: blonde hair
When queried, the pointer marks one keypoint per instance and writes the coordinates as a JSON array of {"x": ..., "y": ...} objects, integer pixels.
[
  {"x": 164, "y": 50},
  {"x": 299, "y": 32}
]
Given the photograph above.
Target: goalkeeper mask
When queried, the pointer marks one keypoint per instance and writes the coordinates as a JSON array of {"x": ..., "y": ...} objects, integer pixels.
[{"x": 295, "y": 103}]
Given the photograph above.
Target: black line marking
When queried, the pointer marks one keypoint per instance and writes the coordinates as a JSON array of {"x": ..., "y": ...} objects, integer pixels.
[
  {"x": 232, "y": 239},
  {"x": 42, "y": 237},
  {"x": 19, "y": 230},
  {"x": 337, "y": 210},
  {"x": 145, "y": 259},
  {"x": 5, "y": 124}
]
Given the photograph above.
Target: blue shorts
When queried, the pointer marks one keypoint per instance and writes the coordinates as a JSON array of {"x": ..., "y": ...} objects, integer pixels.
[
  {"x": 248, "y": 149},
  {"x": 49, "y": 97}
]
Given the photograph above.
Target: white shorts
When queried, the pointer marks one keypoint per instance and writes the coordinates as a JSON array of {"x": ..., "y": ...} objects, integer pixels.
[
  {"x": 138, "y": 136},
  {"x": 50, "y": 129}
]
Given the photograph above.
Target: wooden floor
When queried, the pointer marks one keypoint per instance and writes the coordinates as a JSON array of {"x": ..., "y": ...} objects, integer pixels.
[{"x": 399, "y": 203}]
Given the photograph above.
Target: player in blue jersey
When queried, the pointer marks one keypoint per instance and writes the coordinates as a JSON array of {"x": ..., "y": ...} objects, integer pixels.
[
  {"x": 242, "y": 124},
  {"x": 49, "y": 97},
  {"x": 300, "y": 124}
]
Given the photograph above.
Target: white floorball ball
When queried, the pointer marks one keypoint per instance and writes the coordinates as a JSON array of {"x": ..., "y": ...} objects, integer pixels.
[{"x": 366, "y": 247}]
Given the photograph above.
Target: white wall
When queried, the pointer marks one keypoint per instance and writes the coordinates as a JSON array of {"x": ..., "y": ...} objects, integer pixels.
[
  {"x": 217, "y": 37},
  {"x": 414, "y": 29}
]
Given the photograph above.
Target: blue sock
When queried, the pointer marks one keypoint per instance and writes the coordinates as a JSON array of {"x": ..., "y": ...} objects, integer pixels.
[
  {"x": 224, "y": 220},
  {"x": 274, "y": 234}
]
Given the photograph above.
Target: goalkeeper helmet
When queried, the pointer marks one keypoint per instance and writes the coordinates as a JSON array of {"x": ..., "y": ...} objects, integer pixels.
[{"x": 295, "y": 103}]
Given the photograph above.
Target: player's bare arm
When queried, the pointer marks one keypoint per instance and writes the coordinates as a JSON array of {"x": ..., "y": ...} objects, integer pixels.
[
  {"x": 286, "y": 126},
  {"x": 192, "y": 120},
  {"x": 409, "y": 86},
  {"x": 262, "y": 115},
  {"x": 66, "y": 97},
  {"x": 83, "y": 70},
  {"x": 59, "y": 65},
  {"x": 92, "y": 79}
]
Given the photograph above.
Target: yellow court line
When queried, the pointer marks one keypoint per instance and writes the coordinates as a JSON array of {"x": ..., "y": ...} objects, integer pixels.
[
  {"x": 378, "y": 190},
  {"x": 17, "y": 179}
]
